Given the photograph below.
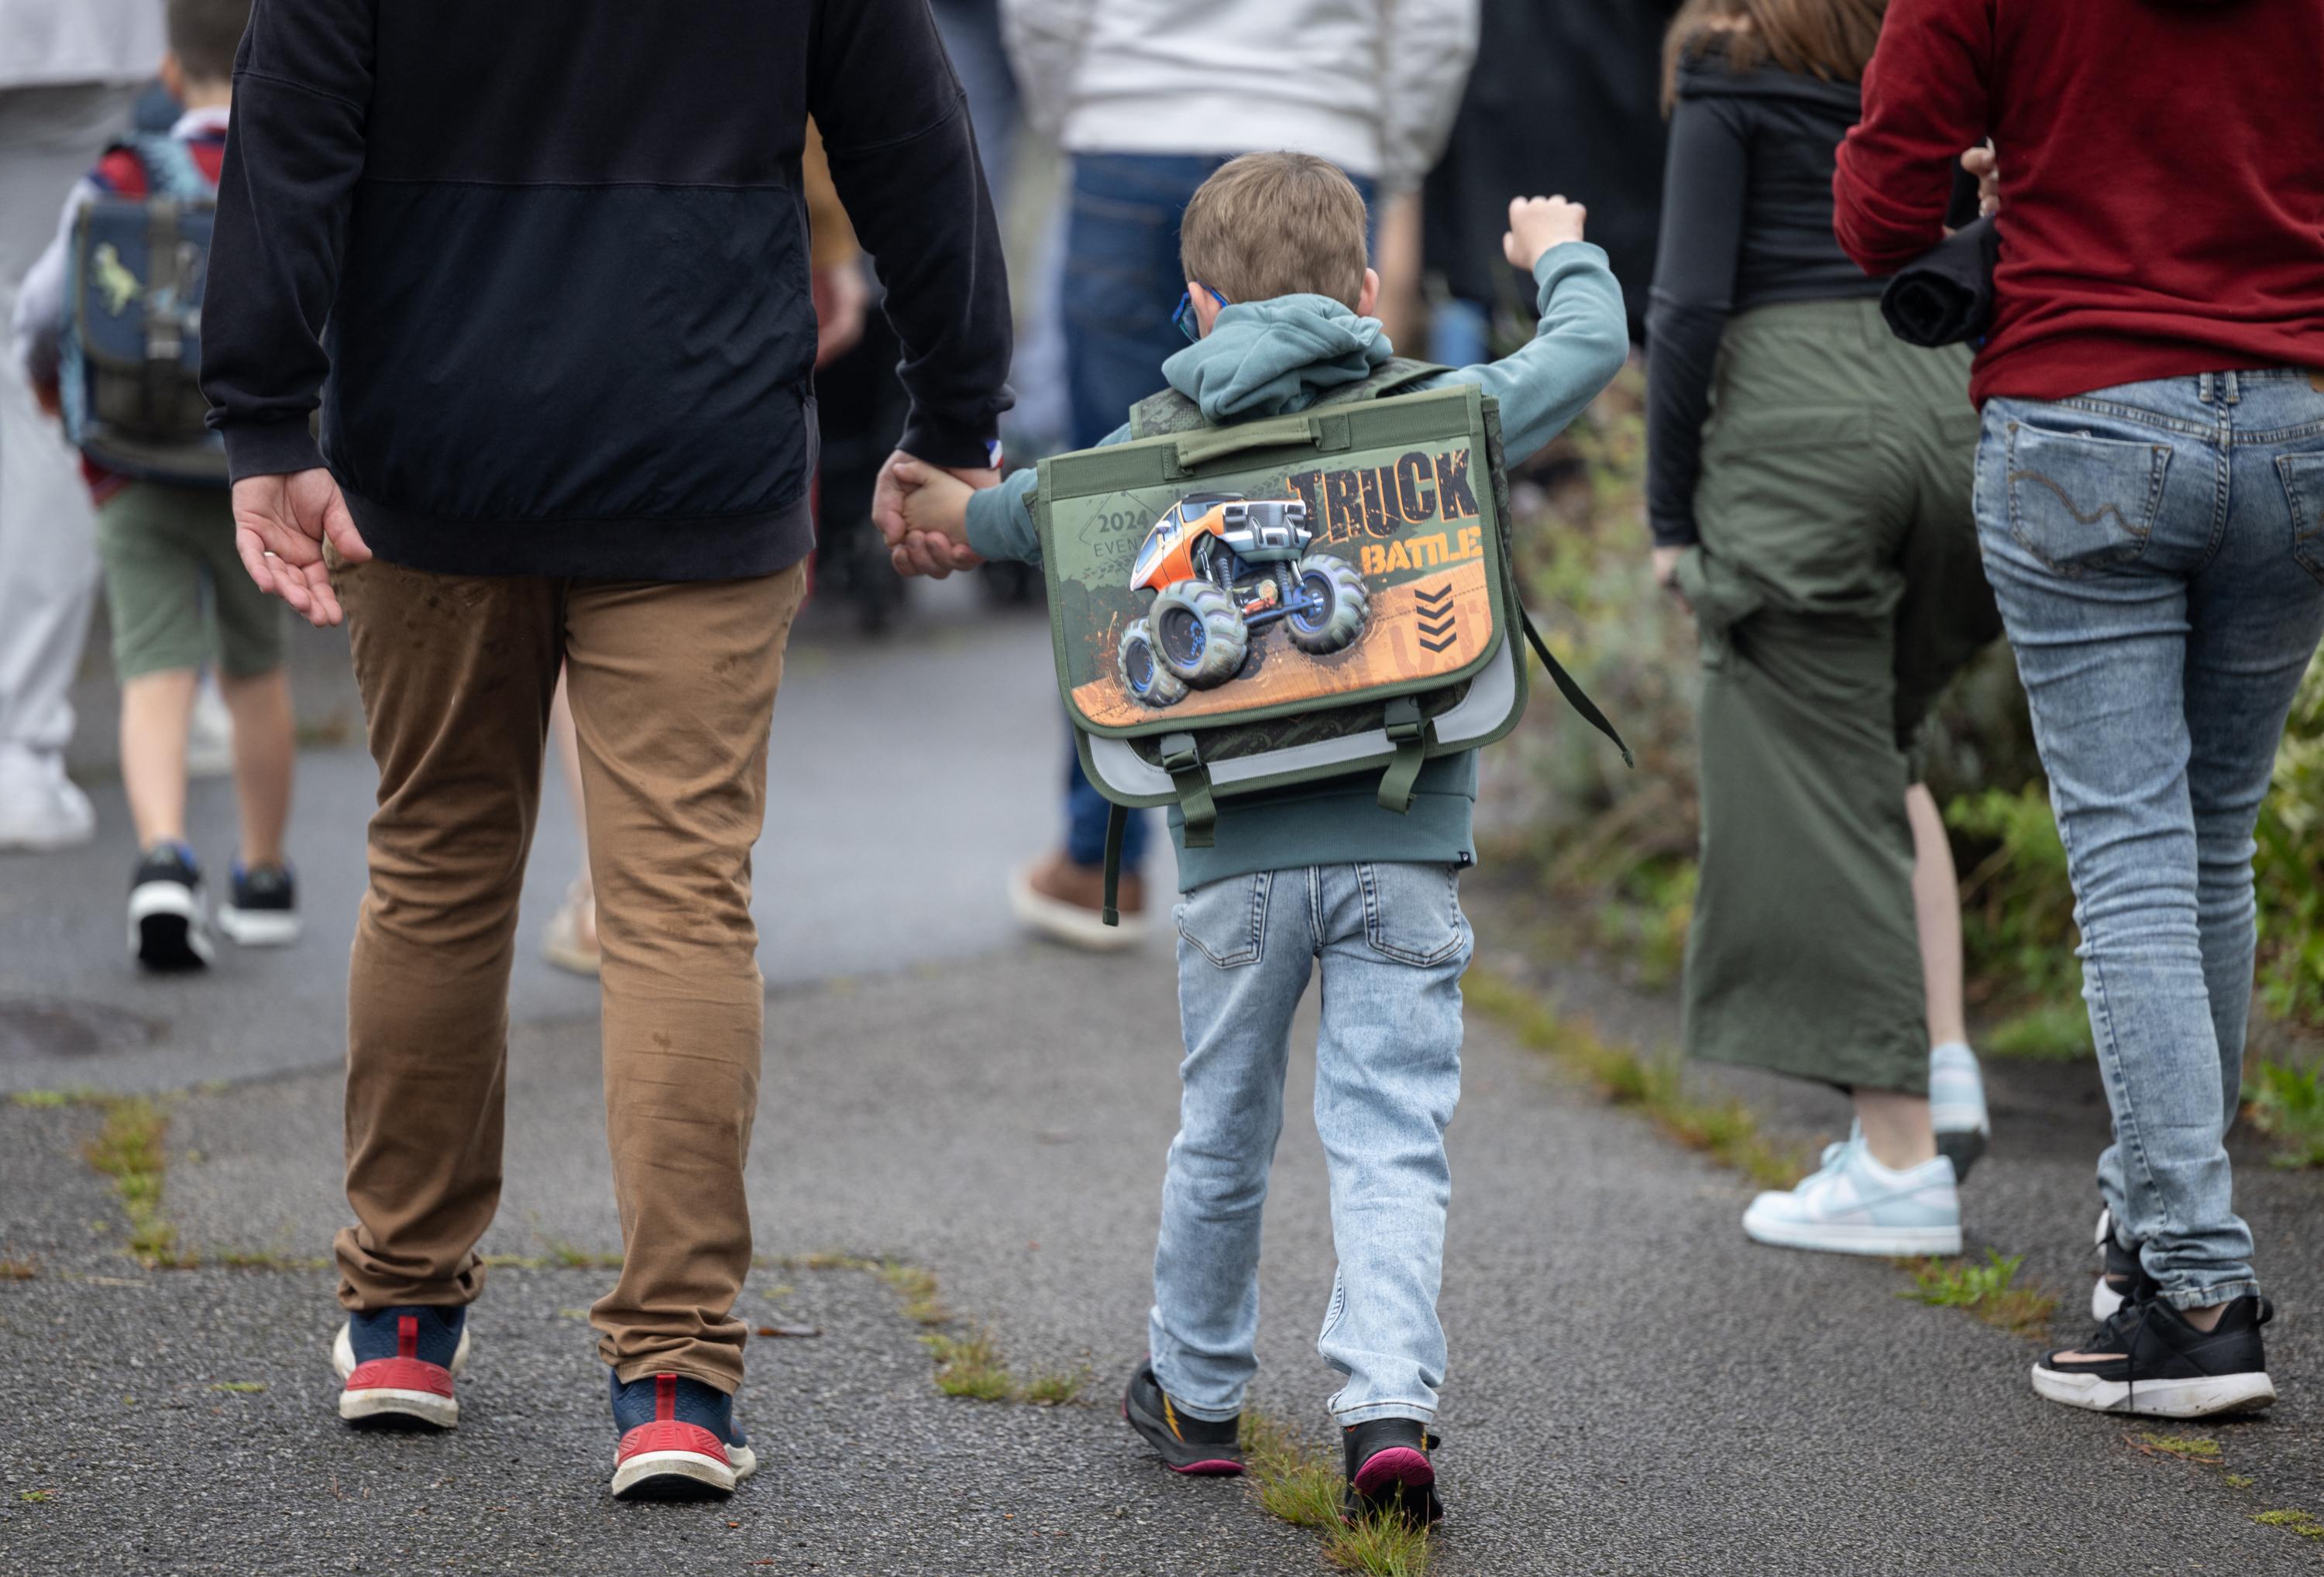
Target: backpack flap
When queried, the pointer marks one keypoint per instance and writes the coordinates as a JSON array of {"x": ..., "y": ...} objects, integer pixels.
[{"x": 132, "y": 399}]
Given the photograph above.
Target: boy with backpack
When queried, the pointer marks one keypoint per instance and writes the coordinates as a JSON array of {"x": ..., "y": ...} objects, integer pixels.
[
  {"x": 108, "y": 325},
  {"x": 1327, "y": 870}
]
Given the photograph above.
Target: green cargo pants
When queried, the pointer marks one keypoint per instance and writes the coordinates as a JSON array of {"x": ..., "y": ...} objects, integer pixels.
[{"x": 1838, "y": 590}]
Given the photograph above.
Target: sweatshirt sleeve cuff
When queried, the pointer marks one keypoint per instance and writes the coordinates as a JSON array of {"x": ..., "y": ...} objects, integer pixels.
[
  {"x": 1000, "y": 522},
  {"x": 1565, "y": 258},
  {"x": 1673, "y": 530},
  {"x": 270, "y": 449},
  {"x": 951, "y": 446}
]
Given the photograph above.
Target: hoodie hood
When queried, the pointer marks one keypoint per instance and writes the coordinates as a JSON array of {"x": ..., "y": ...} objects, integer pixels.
[{"x": 1276, "y": 356}]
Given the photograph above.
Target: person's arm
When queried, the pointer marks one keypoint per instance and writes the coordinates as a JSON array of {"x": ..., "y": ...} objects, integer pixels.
[
  {"x": 1924, "y": 104},
  {"x": 1579, "y": 345},
  {"x": 1043, "y": 39},
  {"x": 1693, "y": 292},
  {"x": 302, "y": 83},
  {"x": 1425, "y": 54},
  {"x": 903, "y": 157},
  {"x": 37, "y": 324}
]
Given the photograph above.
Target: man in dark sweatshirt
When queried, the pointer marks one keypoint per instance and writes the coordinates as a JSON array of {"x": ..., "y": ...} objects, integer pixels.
[{"x": 543, "y": 265}]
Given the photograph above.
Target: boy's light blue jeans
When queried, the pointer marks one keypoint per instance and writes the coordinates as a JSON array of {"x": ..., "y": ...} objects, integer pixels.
[
  {"x": 1392, "y": 942},
  {"x": 2158, "y": 553}
]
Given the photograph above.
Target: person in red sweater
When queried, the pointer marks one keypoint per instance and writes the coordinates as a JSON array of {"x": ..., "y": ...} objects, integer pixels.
[{"x": 2150, "y": 500}]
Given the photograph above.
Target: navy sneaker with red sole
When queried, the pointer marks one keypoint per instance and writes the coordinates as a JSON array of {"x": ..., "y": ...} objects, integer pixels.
[
  {"x": 1203, "y": 1447},
  {"x": 399, "y": 1364},
  {"x": 1389, "y": 1470},
  {"x": 678, "y": 1441}
]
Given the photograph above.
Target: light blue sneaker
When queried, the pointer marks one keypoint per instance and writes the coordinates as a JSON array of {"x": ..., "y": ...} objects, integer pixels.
[
  {"x": 1957, "y": 1106},
  {"x": 1856, "y": 1205}
]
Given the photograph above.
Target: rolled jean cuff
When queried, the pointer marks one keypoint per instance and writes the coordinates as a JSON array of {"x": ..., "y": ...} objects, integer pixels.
[
  {"x": 2208, "y": 1298},
  {"x": 1418, "y": 1412},
  {"x": 1193, "y": 1410}
]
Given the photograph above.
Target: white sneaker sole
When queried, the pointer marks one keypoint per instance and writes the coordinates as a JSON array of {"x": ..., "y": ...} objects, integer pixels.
[
  {"x": 166, "y": 929},
  {"x": 675, "y": 1474},
  {"x": 385, "y": 1401},
  {"x": 1068, "y": 923},
  {"x": 258, "y": 928},
  {"x": 1842, "y": 1239},
  {"x": 2160, "y": 1398}
]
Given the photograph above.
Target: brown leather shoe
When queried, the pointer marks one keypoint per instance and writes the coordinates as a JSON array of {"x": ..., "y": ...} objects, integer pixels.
[{"x": 1066, "y": 902}]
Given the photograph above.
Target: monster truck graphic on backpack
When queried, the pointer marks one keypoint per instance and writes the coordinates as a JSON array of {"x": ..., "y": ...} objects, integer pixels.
[{"x": 1221, "y": 566}]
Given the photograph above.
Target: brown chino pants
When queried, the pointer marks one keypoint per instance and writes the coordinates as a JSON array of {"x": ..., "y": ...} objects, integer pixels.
[{"x": 672, "y": 686}]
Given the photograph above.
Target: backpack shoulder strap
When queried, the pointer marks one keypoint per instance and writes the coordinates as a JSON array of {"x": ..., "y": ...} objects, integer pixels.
[
  {"x": 169, "y": 169},
  {"x": 1166, "y": 413},
  {"x": 1396, "y": 373}
]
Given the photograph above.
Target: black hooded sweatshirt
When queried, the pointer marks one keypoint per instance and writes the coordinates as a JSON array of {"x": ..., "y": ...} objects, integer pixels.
[
  {"x": 544, "y": 262},
  {"x": 1747, "y": 221}
]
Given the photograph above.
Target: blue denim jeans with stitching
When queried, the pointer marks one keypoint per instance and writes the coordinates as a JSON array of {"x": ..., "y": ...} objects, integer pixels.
[
  {"x": 1391, "y": 942},
  {"x": 2158, "y": 553}
]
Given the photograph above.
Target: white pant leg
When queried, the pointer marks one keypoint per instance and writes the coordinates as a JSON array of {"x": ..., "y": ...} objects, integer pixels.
[{"x": 49, "y": 138}]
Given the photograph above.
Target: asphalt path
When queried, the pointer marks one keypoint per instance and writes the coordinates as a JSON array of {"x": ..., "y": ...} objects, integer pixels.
[{"x": 1635, "y": 1387}]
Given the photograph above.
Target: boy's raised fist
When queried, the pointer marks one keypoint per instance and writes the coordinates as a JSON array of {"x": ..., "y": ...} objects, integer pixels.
[{"x": 1537, "y": 223}]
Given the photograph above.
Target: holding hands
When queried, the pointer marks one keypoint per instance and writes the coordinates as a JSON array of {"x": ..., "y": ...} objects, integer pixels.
[{"x": 922, "y": 513}]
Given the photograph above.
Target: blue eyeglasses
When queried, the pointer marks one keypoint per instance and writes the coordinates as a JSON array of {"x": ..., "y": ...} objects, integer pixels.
[{"x": 1185, "y": 315}]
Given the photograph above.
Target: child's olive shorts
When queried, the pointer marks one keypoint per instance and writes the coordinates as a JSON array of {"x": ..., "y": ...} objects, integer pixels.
[{"x": 179, "y": 596}]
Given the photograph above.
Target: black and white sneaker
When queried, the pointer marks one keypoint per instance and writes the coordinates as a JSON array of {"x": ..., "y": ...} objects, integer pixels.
[
  {"x": 2149, "y": 1360},
  {"x": 2122, "y": 1278},
  {"x": 1204, "y": 1447},
  {"x": 1388, "y": 1470},
  {"x": 169, "y": 928},
  {"x": 264, "y": 912}
]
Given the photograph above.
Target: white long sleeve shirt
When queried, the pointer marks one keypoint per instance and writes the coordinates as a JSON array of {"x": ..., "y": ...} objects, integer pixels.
[{"x": 1370, "y": 84}]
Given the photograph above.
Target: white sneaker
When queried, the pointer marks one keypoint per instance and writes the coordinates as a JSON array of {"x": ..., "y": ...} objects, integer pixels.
[
  {"x": 41, "y": 808},
  {"x": 209, "y": 732},
  {"x": 1957, "y": 1106},
  {"x": 1856, "y": 1205}
]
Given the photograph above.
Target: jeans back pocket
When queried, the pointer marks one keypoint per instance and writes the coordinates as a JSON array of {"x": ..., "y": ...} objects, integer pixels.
[
  {"x": 2079, "y": 501},
  {"x": 2303, "y": 487},
  {"x": 1412, "y": 912},
  {"x": 1225, "y": 921}
]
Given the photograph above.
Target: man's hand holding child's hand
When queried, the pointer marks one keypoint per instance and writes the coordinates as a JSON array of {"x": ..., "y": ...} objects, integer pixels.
[
  {"x": 934, "y": 540},
  {"x": 1537, "y": 223}
]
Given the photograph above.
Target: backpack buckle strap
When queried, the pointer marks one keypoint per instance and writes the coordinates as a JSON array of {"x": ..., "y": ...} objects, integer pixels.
[
  {"x": 1409, "y": 729},
  {"x": 1116, "y": 825},
  {"x": 1182, "y": 759}
]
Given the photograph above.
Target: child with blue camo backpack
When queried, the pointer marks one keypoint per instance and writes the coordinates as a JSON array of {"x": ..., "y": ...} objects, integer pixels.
[
  {"x": 1317, "y": 875},
  {"x": 108, "y": 327}
]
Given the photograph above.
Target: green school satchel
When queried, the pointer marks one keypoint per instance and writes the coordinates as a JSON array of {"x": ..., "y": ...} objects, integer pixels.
[{"x": 1278, "y": 602}]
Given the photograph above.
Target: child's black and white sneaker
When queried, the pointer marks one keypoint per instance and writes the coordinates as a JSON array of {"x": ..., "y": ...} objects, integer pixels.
[
  {"x": 264, "y": 912},
  {"x": 2149, "y": 1360},
  {"x": 1201, "y": 1446},
  {"x": 2122, "y": 1275},
  {"x": 168, "y": 927},
  {"x": 1388, "y": 1469}
]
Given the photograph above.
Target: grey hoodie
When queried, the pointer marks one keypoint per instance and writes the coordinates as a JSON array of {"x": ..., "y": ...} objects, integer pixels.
[{"x": 1274, "y": 357}]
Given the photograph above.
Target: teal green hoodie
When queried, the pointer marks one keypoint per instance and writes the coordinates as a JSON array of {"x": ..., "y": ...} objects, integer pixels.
[{"x": 1273, "y": 357}]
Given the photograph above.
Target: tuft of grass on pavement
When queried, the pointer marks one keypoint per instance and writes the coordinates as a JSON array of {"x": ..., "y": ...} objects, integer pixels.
[
  {"x": 2300, "y": 1522},
  {"x": 1726, "y": 1131},
  {"x": 2199, "y": 1449},
  {"x": 970, "y": 1366},
  {"x": 129, "y": 1149},
  {"x": 1301, "y": 1484},
  {"x": 241, "y": 1387},
  {"x": 1989, "y": 1291},
  {"x": 18, "y": 1269},
  {"x": 1055, "y": 1388},
  {"x": 2287, "y": 1105},
  {"x": 917, "y": 1286}
]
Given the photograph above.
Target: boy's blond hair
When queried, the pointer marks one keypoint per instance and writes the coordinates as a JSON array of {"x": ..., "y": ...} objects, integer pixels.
[{"x": 1276, "y": 225}]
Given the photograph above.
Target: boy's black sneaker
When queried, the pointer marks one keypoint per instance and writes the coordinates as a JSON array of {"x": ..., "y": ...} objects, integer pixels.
[
  {"x": 2149, "y": 1360},
  {"x": 1188, "y": 1445},
  {"x": 264, "y": 912},
  {"x": 1388, "y": 1469},
  {"x": 168, "y": 928}
]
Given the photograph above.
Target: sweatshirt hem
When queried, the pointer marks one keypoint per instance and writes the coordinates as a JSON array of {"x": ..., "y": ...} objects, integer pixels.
[{"x": 648, "y": 548}]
